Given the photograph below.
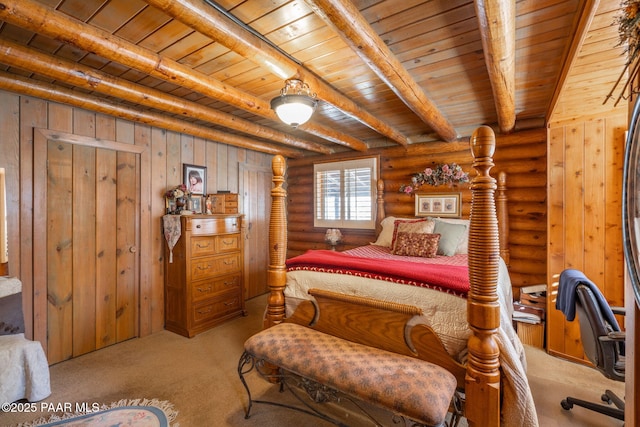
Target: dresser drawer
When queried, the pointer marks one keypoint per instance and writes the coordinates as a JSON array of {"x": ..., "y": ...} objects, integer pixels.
[
  {"x": 203, "y": 268},
  {"x": 231, "y": 208},
  {"x": 228, "y": 264},
  {"x": 227, "y": 243},
  {"x": 208, "y": 288},
  {"x": 202, "y": 226},
  {"x": 216, "y": 307},
  {"x": 203, "y": 246},
  {"x": 231, "y": 204}
]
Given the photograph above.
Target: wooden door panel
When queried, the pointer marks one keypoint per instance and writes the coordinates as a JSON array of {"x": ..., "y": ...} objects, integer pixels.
[
  {"x": 59, "y": 251},
  {"x": 126, "y": 253},
  {"x": 91, "y": 238},
  {"x": 106, "y": 247},
  {"x": 255, "y": 187},
  {"x": 83, "y": 214}
]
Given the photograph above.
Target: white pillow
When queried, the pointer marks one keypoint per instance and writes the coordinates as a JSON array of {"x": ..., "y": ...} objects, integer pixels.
[
  {"x": 386, "y": 235},
  {"x": 463, "y": 244}
]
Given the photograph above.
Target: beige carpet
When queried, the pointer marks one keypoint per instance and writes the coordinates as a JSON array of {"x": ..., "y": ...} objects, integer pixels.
[{"x": 199, "y": 376}]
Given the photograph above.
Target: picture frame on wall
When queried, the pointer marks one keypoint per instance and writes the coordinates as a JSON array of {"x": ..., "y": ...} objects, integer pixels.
[
  {"x": 439, "y": 204},
  {"x": 195, "y": 178}
]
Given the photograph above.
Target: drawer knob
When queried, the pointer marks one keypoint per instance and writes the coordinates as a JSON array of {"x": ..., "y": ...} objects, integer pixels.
[
  {"x": 208, "y": 266},
  {"x": 229, "y": 262},
  {"x": 207, "y": 289},
  {"x": 198, "y": 226},
  {"x": 203, "y": 246},
  {"x": 208, "y": 310}
]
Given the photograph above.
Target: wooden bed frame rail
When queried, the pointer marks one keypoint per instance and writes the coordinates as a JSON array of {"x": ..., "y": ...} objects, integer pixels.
[{"x": 487, "y": 243}]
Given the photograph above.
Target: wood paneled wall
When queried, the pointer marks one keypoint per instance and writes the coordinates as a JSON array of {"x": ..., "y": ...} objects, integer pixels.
[
  {"x": 164, "y": 154},
  {"x": 585, "y": 216},
  {"x": 521, "y": 155}
]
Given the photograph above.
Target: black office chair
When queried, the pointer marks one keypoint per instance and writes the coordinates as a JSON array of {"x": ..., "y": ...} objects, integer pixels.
[{"x": 603, "y": 342}]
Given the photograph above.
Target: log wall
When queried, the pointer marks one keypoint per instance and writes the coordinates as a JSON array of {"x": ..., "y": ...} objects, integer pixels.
[{"x": 521, "y": 155}]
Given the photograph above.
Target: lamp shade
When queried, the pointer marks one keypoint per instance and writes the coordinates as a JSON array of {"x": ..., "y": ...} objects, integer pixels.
[
  {"x": 333, "y": 236},
  {"x": 295, "y": 105},
  {"x": 294, "y": 110}
]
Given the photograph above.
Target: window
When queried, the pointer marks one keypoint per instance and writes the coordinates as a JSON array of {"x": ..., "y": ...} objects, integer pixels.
[{"x": 345, "y": 193}]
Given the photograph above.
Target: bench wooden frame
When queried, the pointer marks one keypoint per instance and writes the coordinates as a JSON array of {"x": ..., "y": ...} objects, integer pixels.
[{"x": 326, "y": 314}]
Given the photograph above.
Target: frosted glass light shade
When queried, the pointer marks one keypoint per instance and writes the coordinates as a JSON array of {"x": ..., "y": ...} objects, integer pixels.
[{"x": 294, "y": 110}]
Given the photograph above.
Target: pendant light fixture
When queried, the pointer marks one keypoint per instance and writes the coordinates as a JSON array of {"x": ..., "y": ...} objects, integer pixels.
[{"x": 296, "y": 104}]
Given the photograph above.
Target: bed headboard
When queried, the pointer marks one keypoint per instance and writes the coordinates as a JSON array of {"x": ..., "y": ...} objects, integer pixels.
[{"x": 502, "y": 212}]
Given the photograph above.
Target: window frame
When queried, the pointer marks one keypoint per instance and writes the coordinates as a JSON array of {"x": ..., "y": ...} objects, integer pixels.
[{"x": 372, "y": 162}]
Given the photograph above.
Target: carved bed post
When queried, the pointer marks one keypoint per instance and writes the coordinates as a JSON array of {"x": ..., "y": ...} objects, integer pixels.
[
  {"x": 482, "y": 385},
  {"x": 380, "y": 213},
  {"x": 503, "y": 216},
  {"x": 276, "y": 274}
]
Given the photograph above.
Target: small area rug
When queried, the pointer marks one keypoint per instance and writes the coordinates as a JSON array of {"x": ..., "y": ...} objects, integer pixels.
[{"x": 136, "y": 413}]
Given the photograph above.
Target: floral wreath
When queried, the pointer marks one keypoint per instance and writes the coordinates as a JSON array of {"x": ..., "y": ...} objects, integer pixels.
[{"x": 440, "y": 174}]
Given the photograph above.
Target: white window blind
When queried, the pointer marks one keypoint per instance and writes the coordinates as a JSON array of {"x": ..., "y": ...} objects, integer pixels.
[{"x": 345, "y": 193}]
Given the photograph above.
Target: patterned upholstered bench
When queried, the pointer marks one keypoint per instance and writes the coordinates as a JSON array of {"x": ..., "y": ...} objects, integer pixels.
[{"x": 409, "y": 387}]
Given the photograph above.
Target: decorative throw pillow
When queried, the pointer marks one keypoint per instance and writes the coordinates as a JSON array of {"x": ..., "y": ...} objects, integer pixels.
[
  {"x": 417, "y": 244},
  {"x": 451, "y": 235},
  {"x": 423, "y": 225},
  {"x": 463, "y": 245}
]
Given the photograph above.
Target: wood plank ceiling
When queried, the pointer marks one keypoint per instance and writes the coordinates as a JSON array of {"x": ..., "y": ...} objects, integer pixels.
[{"x": 386, "y": 71}]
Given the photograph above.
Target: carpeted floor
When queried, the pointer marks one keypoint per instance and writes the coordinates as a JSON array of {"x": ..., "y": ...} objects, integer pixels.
[{"x": 199, "y": 376}]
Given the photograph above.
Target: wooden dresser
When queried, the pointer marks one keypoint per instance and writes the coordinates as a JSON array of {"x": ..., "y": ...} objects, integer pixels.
[{"x": 204, "y": 283}]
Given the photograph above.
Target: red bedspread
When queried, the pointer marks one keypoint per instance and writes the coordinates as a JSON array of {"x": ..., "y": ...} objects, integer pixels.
[{"x": 446, "y": 278}]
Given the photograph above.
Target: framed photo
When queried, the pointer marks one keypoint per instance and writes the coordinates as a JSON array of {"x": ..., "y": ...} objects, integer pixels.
[
  {"x": 196, "y": 204},
  {"x": 195, "y": 178},
  {"x": 439, "y": 204},
  {"x": 170, "y": 205}
]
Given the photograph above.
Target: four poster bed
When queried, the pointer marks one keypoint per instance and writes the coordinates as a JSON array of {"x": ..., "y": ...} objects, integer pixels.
[{"x": 459, "y": 317}]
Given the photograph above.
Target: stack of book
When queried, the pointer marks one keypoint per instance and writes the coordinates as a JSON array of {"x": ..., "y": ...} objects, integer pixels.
[
  {"x": 529, "y": 314},
  {"x": 532, "y": 305}
]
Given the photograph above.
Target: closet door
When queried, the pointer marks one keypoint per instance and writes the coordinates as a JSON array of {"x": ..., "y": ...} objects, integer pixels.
[
  {"x": 255, "y": 188},
  {"x": 87, "y": 193}
]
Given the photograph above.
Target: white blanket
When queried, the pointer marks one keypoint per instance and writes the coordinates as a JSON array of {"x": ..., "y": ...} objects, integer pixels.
[{"x": 24, "y": 370}]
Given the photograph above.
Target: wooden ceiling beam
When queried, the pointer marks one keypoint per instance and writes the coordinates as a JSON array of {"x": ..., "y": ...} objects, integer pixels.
[
  {"x": 38, "y": 89},
  {"x": 205, "y": 19},
  {"x": 497, "y": 22},
  {"x": 347, "y": 20},
  {"x": 93, "y": 80},
  {"x": 34, "y": 16}
]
